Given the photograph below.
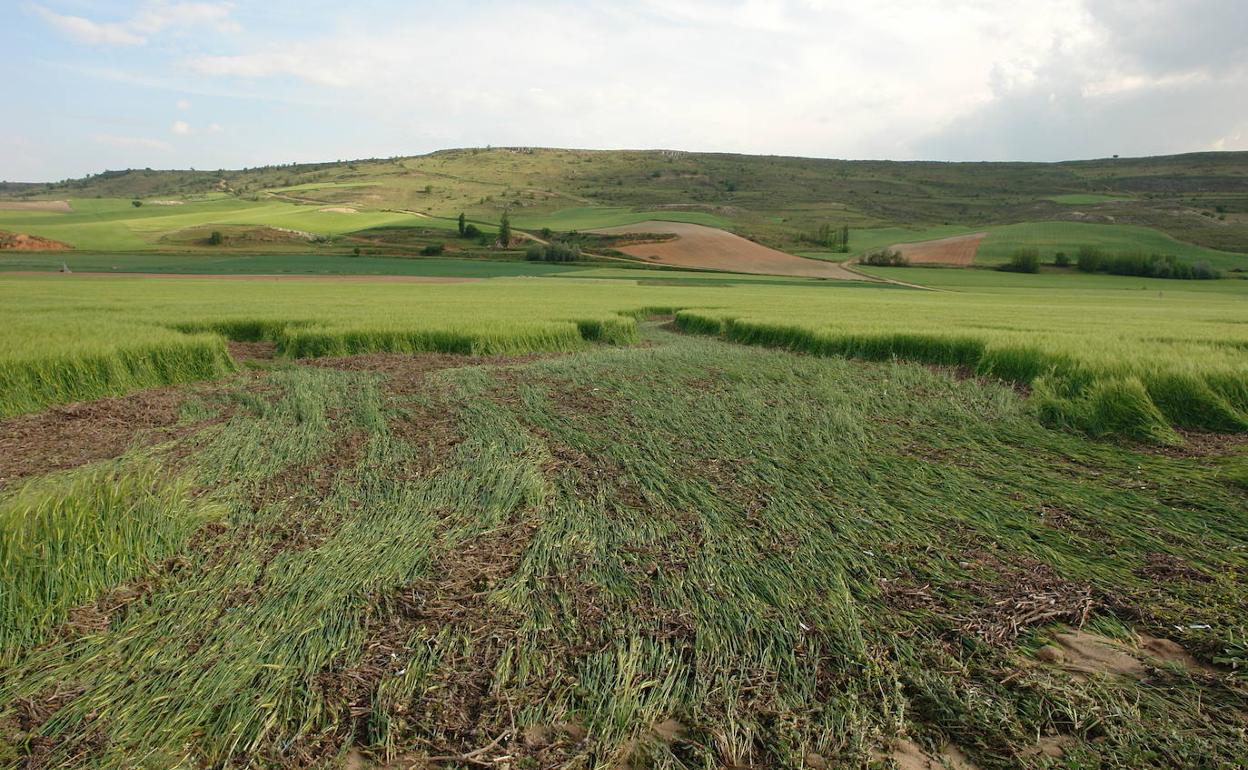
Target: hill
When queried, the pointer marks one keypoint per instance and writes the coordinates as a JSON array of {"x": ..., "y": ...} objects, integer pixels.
[{"x": 1199, "y": 199}]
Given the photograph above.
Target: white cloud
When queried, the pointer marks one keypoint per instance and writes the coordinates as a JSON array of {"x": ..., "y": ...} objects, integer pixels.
[
  {"x": 154, "y": 17},
  {"x": 214, "y": 128},
  {"x": 184, "y": 104},
  {"x": 180, "y": 127}
]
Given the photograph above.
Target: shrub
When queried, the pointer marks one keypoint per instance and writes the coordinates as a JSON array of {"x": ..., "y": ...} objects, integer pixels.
[
  {"x": 1024, "y": 260},
  {"x": 471, "y": 231},
  {"x": 1089, "y": 259},
  {"x": 1061, "y": 259},
  {"x": 432, "y": 250},
  {"x": 553, "y": 252},
  {"x": 504, "y": 230},
  {"x": 885, "y": 258},
  {"x": 136, "y": 203},
  {"x": 216, "y": 239}
]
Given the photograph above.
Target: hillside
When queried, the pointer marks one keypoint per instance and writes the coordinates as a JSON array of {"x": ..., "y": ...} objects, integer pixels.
[{"x": 1200, "y": 199}]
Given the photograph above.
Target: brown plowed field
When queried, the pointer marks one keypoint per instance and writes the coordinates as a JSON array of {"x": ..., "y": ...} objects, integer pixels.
[
  {"x": 710, "y": 248},
  {"x": 58, "y": 206},
  {"x": 959, "y": 250}
]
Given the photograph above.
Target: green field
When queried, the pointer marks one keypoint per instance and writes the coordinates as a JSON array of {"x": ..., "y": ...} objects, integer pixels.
[
  {"x": 1084, "y": 199},
  {"x": 588, "y": 218},
  {"x": 684, "y": 554},
  {"x": 1051, "y": 237},
  {"x": 1115, "y": 360},
  {"x": 278, "y": 264},
  {"x": 116, "y": 225},
  {"x": 610, "y": 516}
]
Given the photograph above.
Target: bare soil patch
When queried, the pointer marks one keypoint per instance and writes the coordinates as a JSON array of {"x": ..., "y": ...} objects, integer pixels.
[
  {"x": 709, "y": 248},
  {"x": 1083, "y": 653},
  {"x": 23, "y": 242},
  {"x": 909, "y": 756},
  {"x": 62, "y": 207},
  {"x": 282, "y": 277},
  {"x": 958, "y": 250},
  {"x": 338, "y": 210},
  {"x": 76, "y": 434},
  {"x": 252, "y": 351}
]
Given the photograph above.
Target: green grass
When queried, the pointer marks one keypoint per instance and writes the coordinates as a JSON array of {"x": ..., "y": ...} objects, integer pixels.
[
  {"x": 1051, "y": 237},
  {"x": 66, "y": 540},
  {"x": 276, "y": 264},
  {"x": 116, "y": 225},
  {"x": 798, "y": 559},
  {"x": 1183, "y": 348},
  {"x": 588, "y": 218},
  {"x": 1084, "y": 199}
]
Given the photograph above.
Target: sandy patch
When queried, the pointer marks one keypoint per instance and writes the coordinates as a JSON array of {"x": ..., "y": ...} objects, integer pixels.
[
  {"x": 338, "y": 210},
  {"x": 61, "y": 207},
  {"x": 909, "y": 756},
  {"x": 1083, "y": 653},
  {"x": 710, "y": 248},
  {"x": 959, "y": 250},
  {"x": 164, "y": 203},
  {"x": 24, "y": 242},
  {"x": 282, "y": 277}
]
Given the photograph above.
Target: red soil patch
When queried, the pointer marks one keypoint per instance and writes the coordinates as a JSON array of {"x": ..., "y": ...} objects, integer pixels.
[
  {"x": 959, "y": 250},
  {"x": 57, "y": 206},
  {"x": 24, "y": 242},
  {"x": 708, "y": 247},
  {"x": 283, "y": 277}
]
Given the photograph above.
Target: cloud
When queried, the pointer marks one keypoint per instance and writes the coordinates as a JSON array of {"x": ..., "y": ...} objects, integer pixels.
[
  {"x": 154, "y": 17},
  {"x": 214, "y": 128},
  {"x": 184, "y": 104},
  {"x": 180, "y": 127},
  {"x": 1146, "y": 78}
]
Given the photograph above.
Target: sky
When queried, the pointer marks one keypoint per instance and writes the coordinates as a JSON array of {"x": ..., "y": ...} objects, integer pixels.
[{"x": 109, "y": 84}]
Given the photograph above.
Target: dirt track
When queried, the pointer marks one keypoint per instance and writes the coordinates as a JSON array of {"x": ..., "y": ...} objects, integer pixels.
[
  {"x": 281, "y": 277},
  {"x": 957, "y": 250},
  {"x": 710, "y": 248}
]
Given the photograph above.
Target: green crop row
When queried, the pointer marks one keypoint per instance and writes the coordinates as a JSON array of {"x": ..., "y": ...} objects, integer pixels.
[{"x": 1110, "y": 359}]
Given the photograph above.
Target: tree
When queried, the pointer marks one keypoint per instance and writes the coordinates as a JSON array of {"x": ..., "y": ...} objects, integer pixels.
[
  {"x": 136, "y": 203},
  {"x": 462, "y": 224},
  {"x": 216, "y": 239},
  {"x": 504, "y": 230}
]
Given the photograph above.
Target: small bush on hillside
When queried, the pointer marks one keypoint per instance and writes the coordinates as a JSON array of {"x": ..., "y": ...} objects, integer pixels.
[
  {"x": 432, "y": 250},
  {"x": 1061, "y": 259},
  {"x": 136, "y": 203},
  {"x": 471, "y": 231},
  {"x": 553, "y": 252},
  {"x": 885, "y": 258},
  {"x": 1090, "y": 259},
  {"x": 216, "y": 238},
  {"x": 1024, "y": 260},
  {"x": 1139, "y": 264}
]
